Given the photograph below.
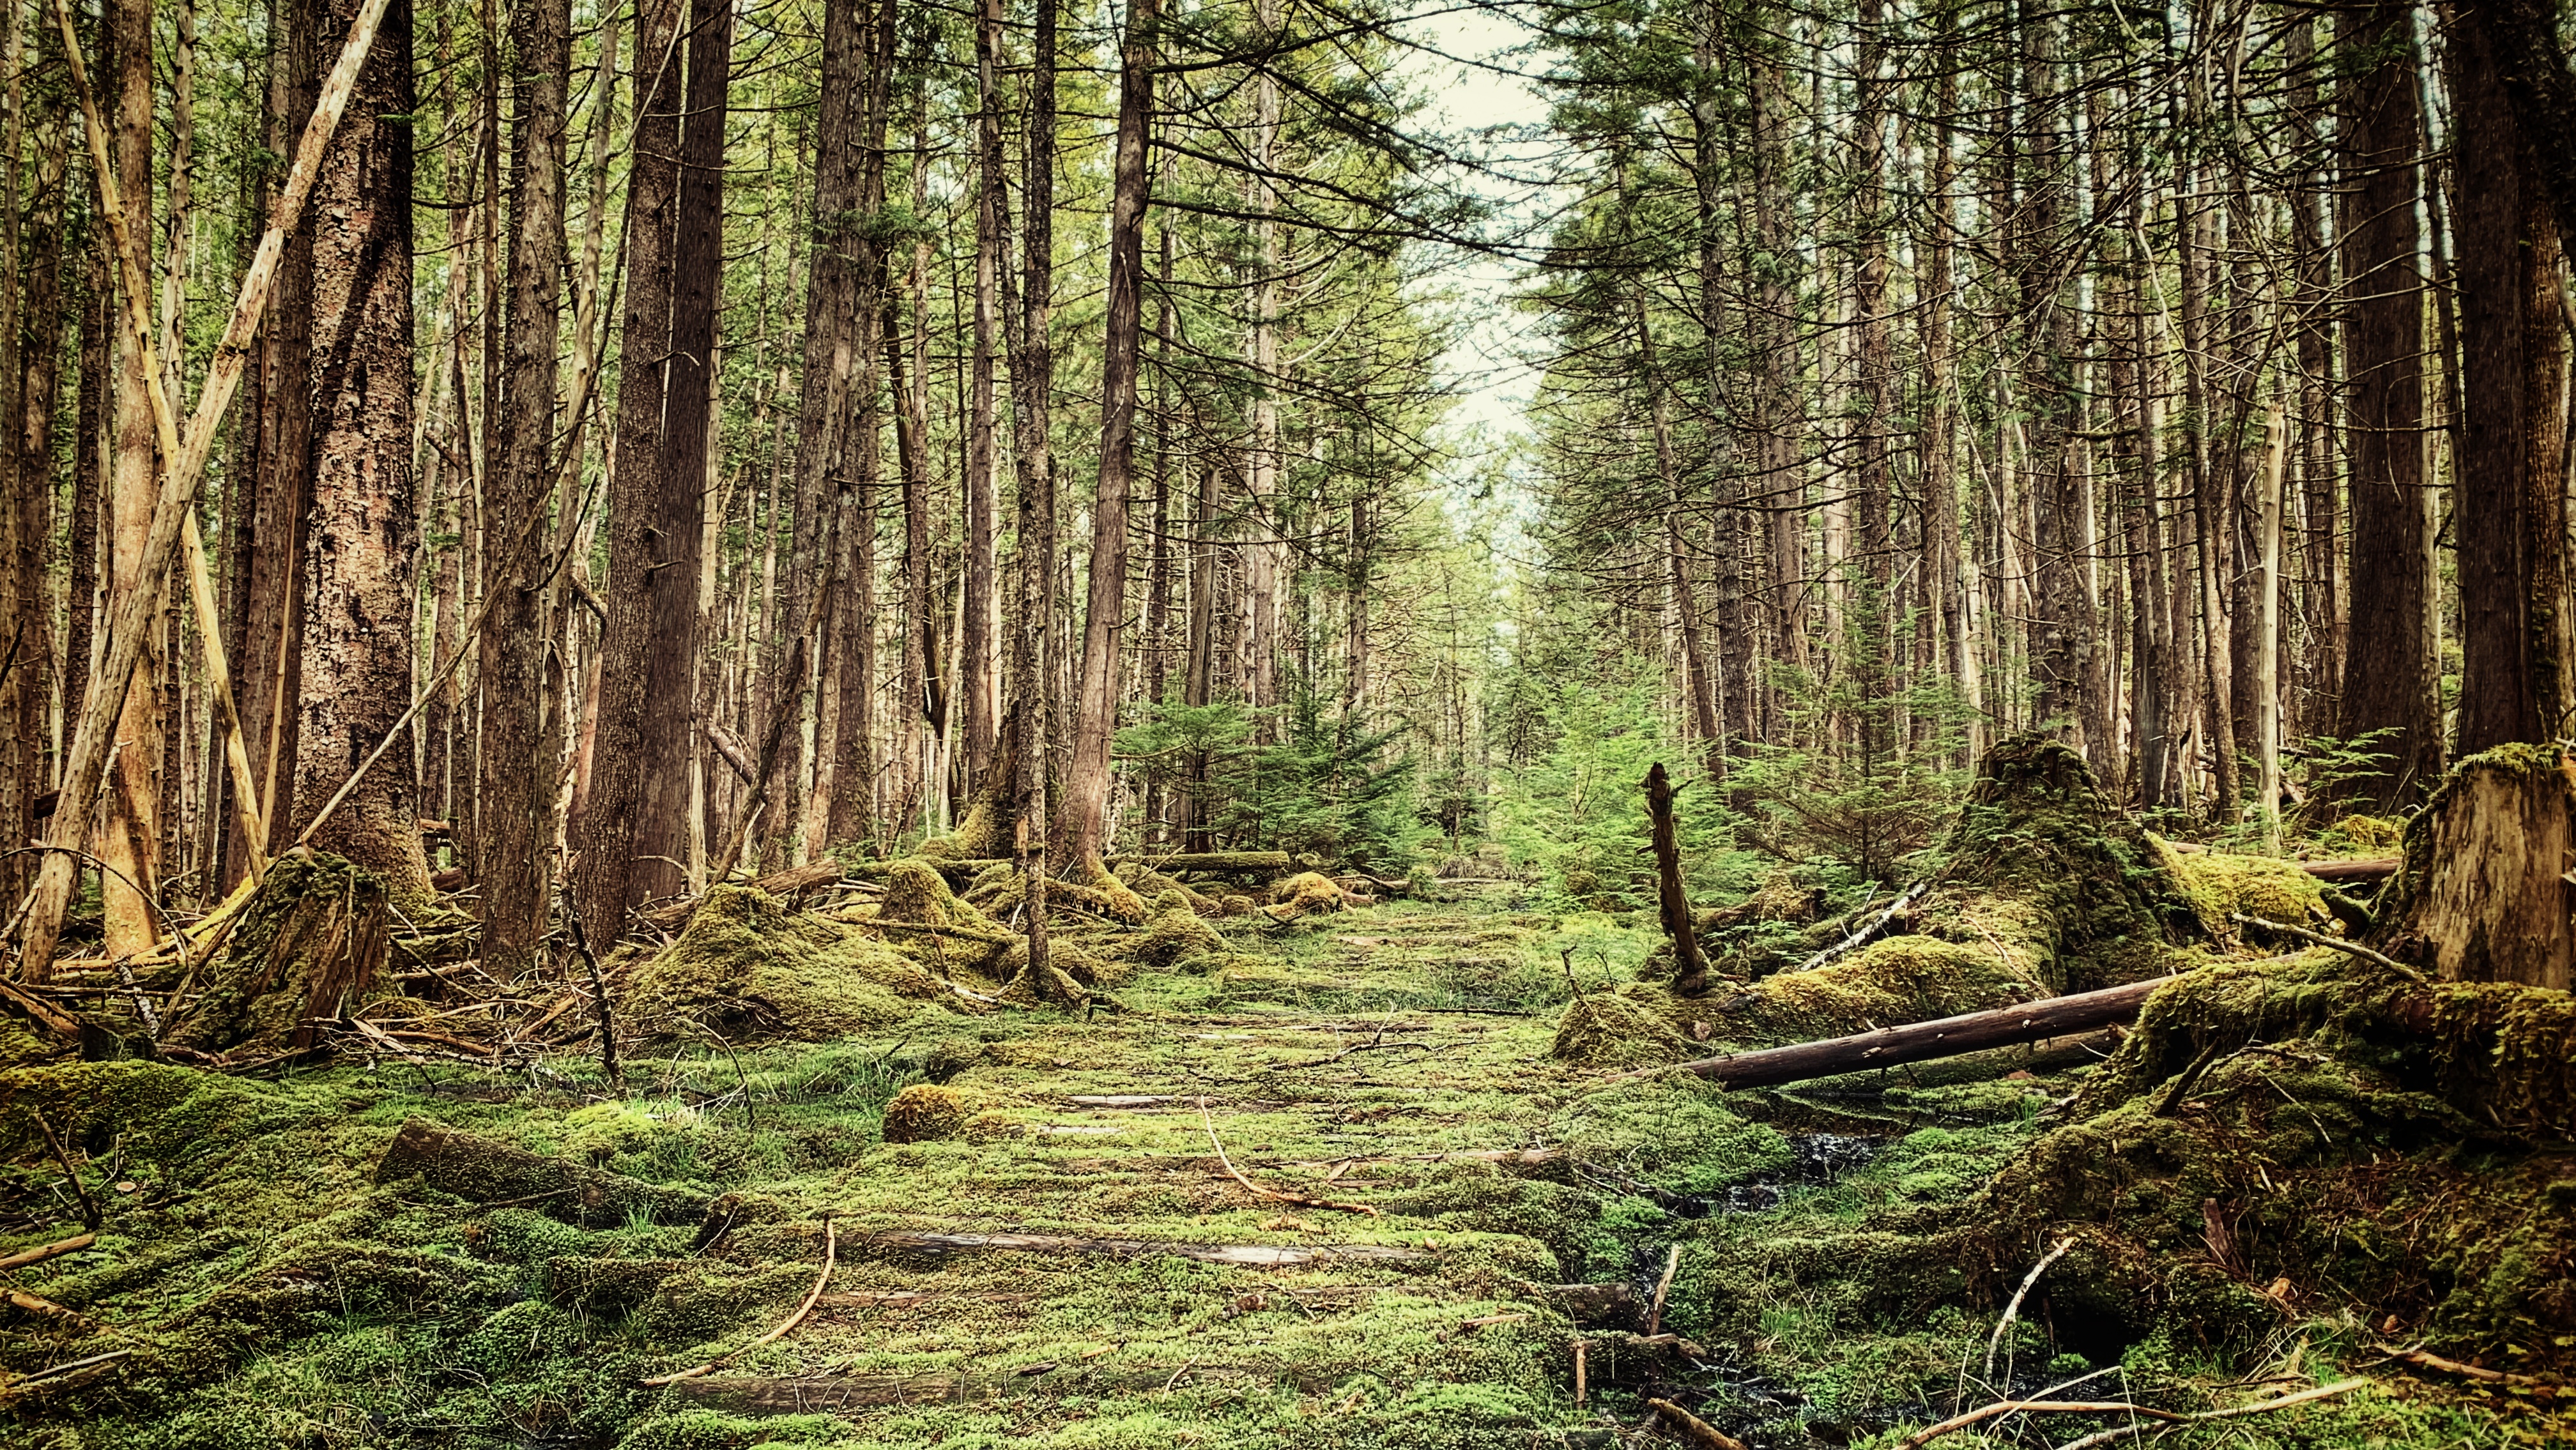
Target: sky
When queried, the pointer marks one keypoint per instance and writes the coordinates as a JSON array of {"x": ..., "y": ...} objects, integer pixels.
[{"x": 1489, "y": 365}]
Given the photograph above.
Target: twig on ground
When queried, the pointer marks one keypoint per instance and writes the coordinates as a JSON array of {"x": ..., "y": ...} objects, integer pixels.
[
  {"x": 831, "y": 1246},
  {"x": 2013, "y": 1309},
  {"x": 2318, "y": 938},
  {"x": 89, "y": 1205},
  {"x": 1984, "y": 1413},
  {"x": 2417, "y": 1357},
  {"x": 26, "y": 1257},
  {"x": 1663, "y": 1286},
  {"x": 1269, "y": 1193},
  {"x": 1692, "y": 1428}
]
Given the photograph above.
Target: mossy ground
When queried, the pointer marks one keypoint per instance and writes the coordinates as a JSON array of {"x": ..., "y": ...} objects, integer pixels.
[{"x": 269, "y": 1292}]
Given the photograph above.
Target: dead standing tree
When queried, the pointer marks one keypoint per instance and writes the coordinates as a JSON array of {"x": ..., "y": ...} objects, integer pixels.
[{"x": 1690, "y": 967}]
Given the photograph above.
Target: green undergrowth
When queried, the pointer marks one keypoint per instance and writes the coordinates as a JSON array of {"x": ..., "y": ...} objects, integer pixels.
[{"x": 1841, "y": 1253}]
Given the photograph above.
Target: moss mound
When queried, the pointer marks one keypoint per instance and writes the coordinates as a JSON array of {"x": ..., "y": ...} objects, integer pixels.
[
  {"x": 1304, "y": 893},
  {"x": 1606, "y": 1029},
  {"x": 747, "y": 967},
  {"x": 916, "y": 892},
  {"x": 2219, "y": 884},
  {"x": 1898, "y": 979},
  {"x": 925, "y": 1113}
]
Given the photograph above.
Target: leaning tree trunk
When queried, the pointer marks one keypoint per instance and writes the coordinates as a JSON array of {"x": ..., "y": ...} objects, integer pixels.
[{"x": 2482, "y": 895}]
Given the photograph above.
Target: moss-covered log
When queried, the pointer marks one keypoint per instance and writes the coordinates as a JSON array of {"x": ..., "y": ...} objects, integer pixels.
[
  {"x": 310, "y": 944},
  {"x": 2481, "y": 894},
  {"x": 485, "y": 1172}
]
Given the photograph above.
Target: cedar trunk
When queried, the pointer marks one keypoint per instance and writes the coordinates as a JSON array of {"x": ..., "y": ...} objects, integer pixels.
[{"x": 357, "y": 638}]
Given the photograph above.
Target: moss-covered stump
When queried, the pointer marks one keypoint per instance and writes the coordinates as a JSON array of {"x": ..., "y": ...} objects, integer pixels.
[
  {"x": 308, "y": 947},
  {"x": 749, "y": 968},
  {"x": 2046, "y": 889},
  {"x": 2221, "y": 884},
  {"x": 2481, "y": 894}
]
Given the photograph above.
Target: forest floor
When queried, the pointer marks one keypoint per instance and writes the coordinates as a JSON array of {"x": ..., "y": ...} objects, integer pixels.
[{"x": 1428, "y": 1176}]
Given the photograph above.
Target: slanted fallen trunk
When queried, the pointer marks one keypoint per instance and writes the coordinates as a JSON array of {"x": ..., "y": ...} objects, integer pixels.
[
  {"x": 1923, "y": 1041},
  {"x": 496, "y": 1174},
  {"x": 2483, "y": 894}
]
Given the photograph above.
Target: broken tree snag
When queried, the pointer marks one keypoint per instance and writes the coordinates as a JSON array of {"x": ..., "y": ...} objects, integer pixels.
[
  {"x": 1690, "y": 969},
  {"x": 2481, "y": 894},
  {"x": 496, "y": 1175},
  {"x": 309, "y": 947},
  {"x": 1922, "y": 1041}
]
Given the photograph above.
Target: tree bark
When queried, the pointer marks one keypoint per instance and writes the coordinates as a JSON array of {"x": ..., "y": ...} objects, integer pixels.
[
  {"x": 521, "y": 735},
  {"x": 2512, "y": 534},
  {"x": 2481, "y": 895},
  {"x": 1690, "y": 968},
  {"x": 356, "y": 676},
  {"x": 644, "y": 559},
  {"x": 1086, "y": 806}
]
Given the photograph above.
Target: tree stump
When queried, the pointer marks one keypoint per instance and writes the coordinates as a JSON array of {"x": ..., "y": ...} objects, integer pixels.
[
  {"x": 309, "y": 946},
  {"x": 2483, "y": 893}
]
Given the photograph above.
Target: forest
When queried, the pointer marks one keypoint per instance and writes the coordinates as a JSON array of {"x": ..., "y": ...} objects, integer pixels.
[{"x": 1358, "y": 723}]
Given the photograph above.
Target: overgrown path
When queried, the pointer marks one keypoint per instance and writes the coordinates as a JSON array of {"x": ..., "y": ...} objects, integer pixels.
[{"x": 1325, "y": 1187}]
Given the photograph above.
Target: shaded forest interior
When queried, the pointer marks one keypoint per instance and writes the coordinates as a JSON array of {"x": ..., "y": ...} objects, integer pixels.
[{"x": 655, "y": 643}]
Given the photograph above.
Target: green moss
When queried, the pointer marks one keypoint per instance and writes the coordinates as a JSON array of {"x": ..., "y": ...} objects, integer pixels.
[
  {"x": 1606, "y": 1029},
  {"x": 925, "y": 1113},
  {"x": 748, "y": 968},
  {"x": 2220, "y": 884}
]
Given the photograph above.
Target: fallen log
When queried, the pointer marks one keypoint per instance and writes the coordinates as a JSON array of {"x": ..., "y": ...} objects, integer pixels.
[
  {"x": 1261, "y": 1256},
  {"x": 1921, "y": 1041},
  {"x": 2377, "y": 870},
  {"x": 495, "y": 1174}
]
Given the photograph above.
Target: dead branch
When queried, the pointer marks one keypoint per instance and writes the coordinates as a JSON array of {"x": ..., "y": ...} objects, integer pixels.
[
  {"x": 55, "y": 1250},
  {"x": 2318, "y": 938},
  {"x": 2004, "y": 1321},
  {"x": 89, "y": 1205},
  {"x": 831, "y": 1245},
  {"x": 1692, "y": 1428},
  {"x": 1271, "y": 1193}
]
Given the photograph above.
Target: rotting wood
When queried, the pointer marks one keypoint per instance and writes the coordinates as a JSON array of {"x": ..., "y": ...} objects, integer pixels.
[
  {"x": 1273, "y": 1194},
  {"x": 2423, "y": 1359},
  {"x": 1260, "y": 1256},
  {"x": 1983, "y": 1413},
  {"x": 831, "y": 1247},
  {"x": 785, "y": 885},
  {"x": 483, "y": 1171},
  {"x": 1921, "y": 1041},
  {"x": 1690, "y": 968}
]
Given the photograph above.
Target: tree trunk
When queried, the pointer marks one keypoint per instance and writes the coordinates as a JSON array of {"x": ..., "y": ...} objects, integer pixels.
[
  {"x": 2390, "y": 681},
  {"x": 1690, "y": 968},
  {"x": 356, "y": 677},
  {"x": 1033, "y": 388},
  {"x": 2512, "y": 534},
  {"x": 128, "y": 836},
  {"x": 2482, "y": 894},
  {"x": 89, "y": 479},
  {"x": 978, "y": 660},
  {"x": 1086, "y": 806},
  {"x": 519, "y": 745},
  {"x": 644, "y": 559},
  {"x": 271, "y": 663},
  {"x": 854, "y": 623}
]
